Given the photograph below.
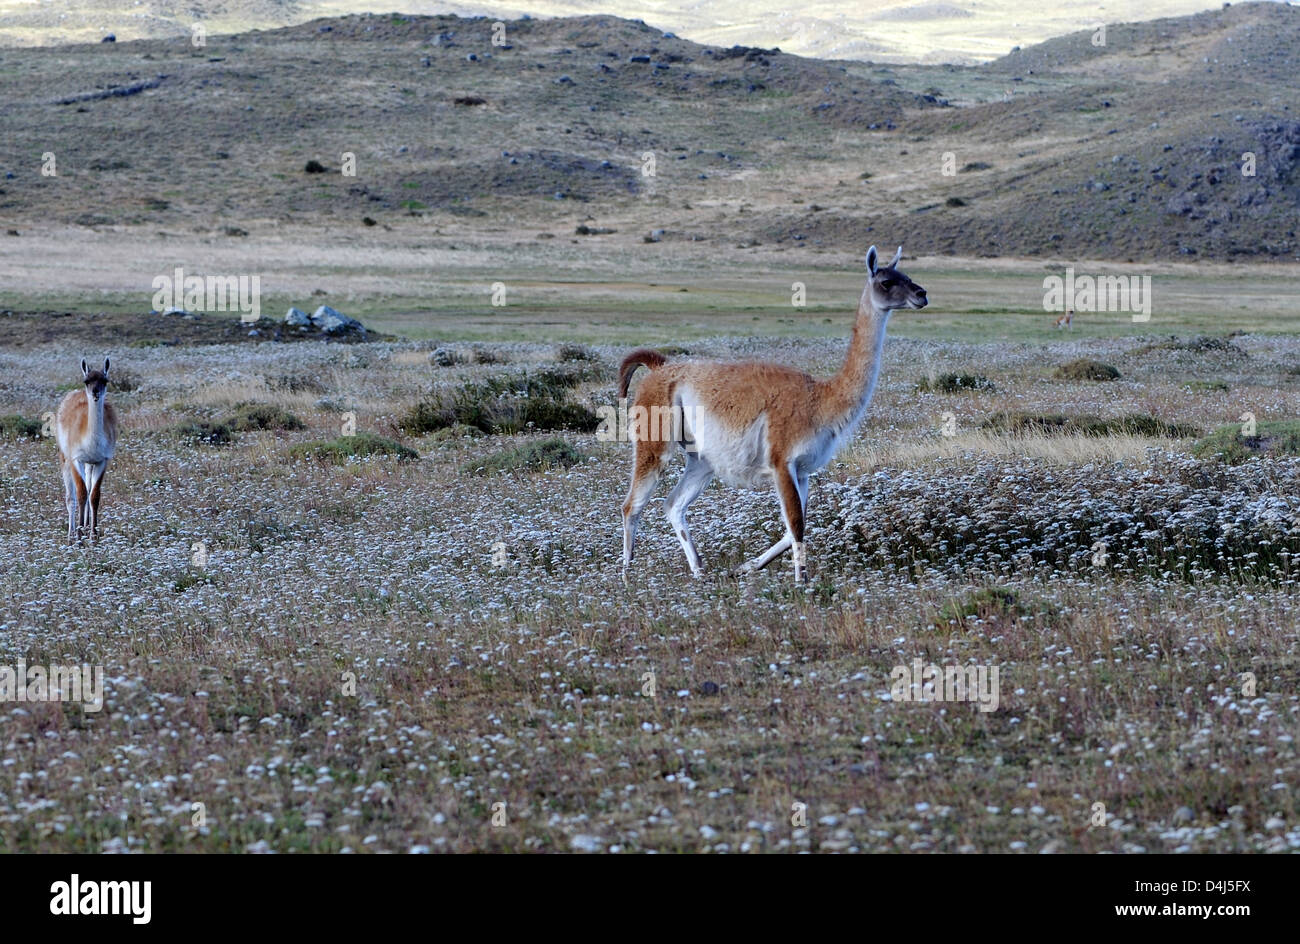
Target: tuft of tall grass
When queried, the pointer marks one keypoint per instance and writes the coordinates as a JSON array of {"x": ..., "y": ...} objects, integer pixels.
[
  {"x": 14, "y": 426},
  {"x": 1271, "y": 438},
  {"x": 249, "y": 417},
  {"x": 359, "y": 445},
  {"x": 552, "y": 453},
  {"x": 1084, "y": 368},
  {"x": 954, "y": 383},
  {"x": 206, "y": 432},
  {"x": 506, "y": 403},
  {"x": 1130, "y": 424}
]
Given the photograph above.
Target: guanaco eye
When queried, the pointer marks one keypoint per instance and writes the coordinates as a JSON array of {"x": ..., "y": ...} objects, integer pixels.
[{"x": 888, "y": 283}]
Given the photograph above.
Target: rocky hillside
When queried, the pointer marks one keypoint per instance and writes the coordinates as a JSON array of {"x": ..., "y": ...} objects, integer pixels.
[{"x": 1132, "y": 149}]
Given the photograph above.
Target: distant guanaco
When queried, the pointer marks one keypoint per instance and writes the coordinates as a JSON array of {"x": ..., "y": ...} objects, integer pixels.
[
  {"x": 1066, "y": 320},
  {"x": 86, "y": 430},
  {"x": 754, "y": 424}
]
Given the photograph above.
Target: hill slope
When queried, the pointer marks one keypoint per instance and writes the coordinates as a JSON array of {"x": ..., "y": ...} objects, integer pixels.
[
  {"x": 1131, "y": 150},
  {"x": 885, "y": 30}
]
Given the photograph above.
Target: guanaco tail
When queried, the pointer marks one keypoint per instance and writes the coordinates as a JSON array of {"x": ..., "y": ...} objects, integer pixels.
[
  {"x": 756, "y": 424},
  {"x": 86, "y": 431}
]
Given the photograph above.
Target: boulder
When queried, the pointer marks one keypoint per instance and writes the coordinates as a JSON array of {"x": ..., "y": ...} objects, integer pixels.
[
  {"x": 335, "y": 322},
  {"x": 297, "y": 318}
]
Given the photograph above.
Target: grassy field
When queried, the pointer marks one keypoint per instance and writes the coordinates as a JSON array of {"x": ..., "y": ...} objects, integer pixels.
[
  {"x": 498, "y": 658},
  {"x": 612, "y": 290},
  {"x": 367, "y": 597}
]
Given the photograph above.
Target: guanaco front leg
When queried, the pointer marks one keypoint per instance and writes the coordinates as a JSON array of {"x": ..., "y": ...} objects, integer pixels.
[{"x": 792, "y": 499}]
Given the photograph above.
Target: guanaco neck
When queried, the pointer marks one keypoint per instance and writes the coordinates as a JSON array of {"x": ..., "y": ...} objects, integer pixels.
[
  {"x": 849, "y": 391},
  {"x": 94, "y": 417}
]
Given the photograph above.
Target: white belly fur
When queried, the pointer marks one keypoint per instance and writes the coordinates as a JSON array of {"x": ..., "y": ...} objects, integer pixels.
[
  {"x": 738, "y": 459},
  {"x": 743, "y": 459},
  {"x": 92, "y": 449}
]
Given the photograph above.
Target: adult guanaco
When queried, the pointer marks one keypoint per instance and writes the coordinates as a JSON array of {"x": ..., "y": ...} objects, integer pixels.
[
  {"x": 86, "y": 431},
  {"x": 755, "y": 424}
]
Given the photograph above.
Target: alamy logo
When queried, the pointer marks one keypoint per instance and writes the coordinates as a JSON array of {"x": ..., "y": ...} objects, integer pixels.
[
  {"x": 242, "y": 293},
  {"x": 1131, "y": 293},
  {"x": 646, "y": 424},
  {"x": 929, "y": 683},
  {"x": 76, "y": 897},
  {"x": 35, "y": 683}
]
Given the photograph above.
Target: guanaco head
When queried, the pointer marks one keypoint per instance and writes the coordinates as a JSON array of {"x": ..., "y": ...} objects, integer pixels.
[
  {"x": 891, "y": 289},
  {"x": 96, "y": 381}
]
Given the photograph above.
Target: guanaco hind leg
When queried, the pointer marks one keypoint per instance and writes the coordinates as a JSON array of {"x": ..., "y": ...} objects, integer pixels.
[
  {"x": 74, "y": 498},
  {"x": 645, "y": 475},
  {"x": 694, "y": 480},
  {"x": 92, "y": 504}
]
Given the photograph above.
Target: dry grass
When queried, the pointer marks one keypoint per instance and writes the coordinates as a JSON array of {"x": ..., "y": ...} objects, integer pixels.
[
  {"x": 385, "y": 653},
  {"x": 498, "y": 658},
  {"x": 1061, "y": 450}
]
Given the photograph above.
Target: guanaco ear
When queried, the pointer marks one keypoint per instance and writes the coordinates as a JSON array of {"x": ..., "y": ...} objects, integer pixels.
[
  {"x": 85, "y": 369},
  {"x": 897, "y": 256},
  {"x": 871, "y": 260},
  {"x": 106, "y": 367}
]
